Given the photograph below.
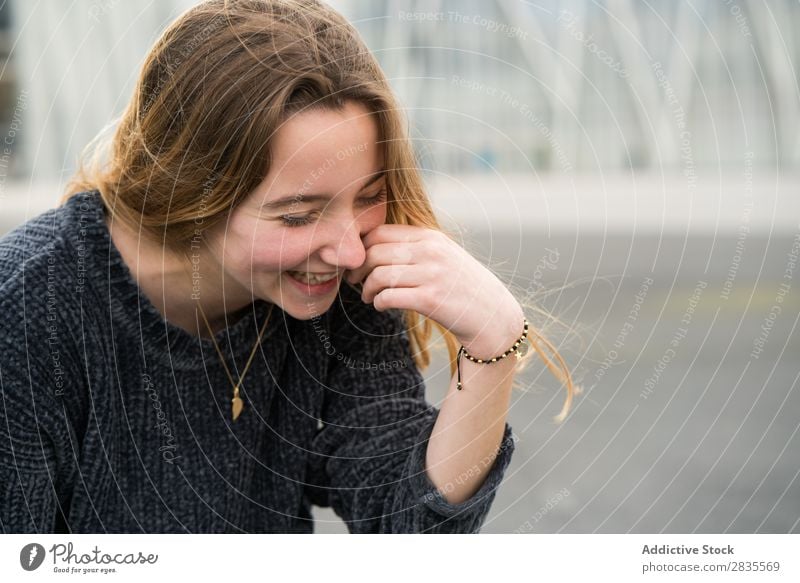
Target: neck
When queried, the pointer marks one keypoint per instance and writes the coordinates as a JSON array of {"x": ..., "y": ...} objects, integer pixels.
[{"x": 175, "y": 283}]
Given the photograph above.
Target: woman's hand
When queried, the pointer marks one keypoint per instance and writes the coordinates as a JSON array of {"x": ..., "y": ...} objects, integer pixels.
[{"x": 420, "y": 269}]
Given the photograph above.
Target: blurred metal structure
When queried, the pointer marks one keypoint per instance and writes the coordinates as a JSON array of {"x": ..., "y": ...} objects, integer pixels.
[
  {"x": 77, "y": 63},
  {"x": 610, "y": 85},
  {"x": 509, "y": 85}
]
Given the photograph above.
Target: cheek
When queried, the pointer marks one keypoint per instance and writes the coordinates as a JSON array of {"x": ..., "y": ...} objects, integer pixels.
[
  {"x": 374, "y": 217},
  {"x": 254, "y": 246},
  {"x": 275, "y": 252}
]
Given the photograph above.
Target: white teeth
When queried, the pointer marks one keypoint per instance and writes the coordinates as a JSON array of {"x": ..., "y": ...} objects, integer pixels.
[{"x": 311, "y": 278}]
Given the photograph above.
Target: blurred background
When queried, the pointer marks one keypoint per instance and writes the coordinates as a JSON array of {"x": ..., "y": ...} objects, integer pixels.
[{"x": 629, "y": 167}]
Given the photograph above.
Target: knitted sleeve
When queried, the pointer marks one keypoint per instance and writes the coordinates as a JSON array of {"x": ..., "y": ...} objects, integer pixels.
[
  {"x": 36, "y": 442},
  {"x": 367, "y": 462},
  {"x": 28, "y": 437}
]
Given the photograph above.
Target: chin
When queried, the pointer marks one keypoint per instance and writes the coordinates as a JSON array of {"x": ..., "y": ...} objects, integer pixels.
[
  {"x": 301, "y": 309},
  {"x": 309, "y": 311}
]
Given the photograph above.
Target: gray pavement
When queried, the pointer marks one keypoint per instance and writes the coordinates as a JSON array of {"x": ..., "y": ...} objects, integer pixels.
[{"x": 689, "y": 418}]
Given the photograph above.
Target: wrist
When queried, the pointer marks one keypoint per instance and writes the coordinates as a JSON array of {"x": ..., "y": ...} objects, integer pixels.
[{"x": 499, "y": 338}]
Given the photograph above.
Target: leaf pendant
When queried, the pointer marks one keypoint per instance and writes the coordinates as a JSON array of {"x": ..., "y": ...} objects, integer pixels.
[{"x": 236, "y": 408}]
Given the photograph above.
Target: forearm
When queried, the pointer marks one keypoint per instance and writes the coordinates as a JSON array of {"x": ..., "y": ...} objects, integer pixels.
[{"x": 466, "y": 437}]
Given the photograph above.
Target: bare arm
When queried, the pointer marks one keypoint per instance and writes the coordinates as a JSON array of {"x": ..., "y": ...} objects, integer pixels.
[{"x": 468, "y": 432}]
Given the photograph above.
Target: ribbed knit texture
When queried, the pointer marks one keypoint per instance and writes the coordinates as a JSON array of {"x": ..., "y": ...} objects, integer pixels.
[{"x": 114, "y": 420}]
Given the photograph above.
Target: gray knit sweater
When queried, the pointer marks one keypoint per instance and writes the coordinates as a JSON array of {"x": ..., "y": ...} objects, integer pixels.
[{"x": 114, "y": 420}]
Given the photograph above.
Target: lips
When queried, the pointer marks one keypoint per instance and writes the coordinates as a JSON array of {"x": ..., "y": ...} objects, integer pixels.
[
  {"x": 313, "y": 278},
  {"x": 307, "y": 288}
]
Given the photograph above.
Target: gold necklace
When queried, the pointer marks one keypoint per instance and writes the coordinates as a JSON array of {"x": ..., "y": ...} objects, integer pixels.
[{"x": 236, "y": 403}]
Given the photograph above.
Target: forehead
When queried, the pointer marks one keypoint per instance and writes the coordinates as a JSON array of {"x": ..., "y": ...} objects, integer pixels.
[{"x": 331, "y": 146}]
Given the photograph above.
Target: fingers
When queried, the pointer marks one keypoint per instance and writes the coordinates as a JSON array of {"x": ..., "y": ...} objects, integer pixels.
[
  {"x": 391, "y": 277},
  {"x": 390, "y": 233},
  {"x": 401, "y": 298},
  {"x": 382, "y": 254}
]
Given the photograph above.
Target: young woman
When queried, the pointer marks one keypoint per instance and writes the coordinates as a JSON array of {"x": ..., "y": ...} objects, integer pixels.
[{"x": 225, "y": 321}]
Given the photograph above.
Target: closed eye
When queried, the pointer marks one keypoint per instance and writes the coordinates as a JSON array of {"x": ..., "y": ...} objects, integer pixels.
[{"x": 301, "y": 220}]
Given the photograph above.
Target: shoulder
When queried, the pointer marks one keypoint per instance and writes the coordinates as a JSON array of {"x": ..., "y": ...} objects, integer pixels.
[
  {"x": 28, "y": 243},
  {"x": 31, "y": 290},
  {"x": 26, "y": 249},
  {"x": 32, "y": 251},
  {"x": 37, "y": 282},
  {"x": 30, "y": 255},
  {"x": 47, "y": 243}
]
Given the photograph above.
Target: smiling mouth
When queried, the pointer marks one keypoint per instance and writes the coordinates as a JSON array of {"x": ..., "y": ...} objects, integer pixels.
[{"x": 312, "y": 278}]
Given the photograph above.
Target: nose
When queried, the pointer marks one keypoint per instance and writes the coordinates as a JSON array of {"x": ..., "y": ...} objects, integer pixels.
[{"x": 344, "y": 247}]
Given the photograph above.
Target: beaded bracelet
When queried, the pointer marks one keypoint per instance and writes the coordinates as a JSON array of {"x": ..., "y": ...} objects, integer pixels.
[{"x": 514, "y": 348}]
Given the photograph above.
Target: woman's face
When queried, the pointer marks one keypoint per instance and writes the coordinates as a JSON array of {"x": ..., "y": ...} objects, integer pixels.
[{"x": 324, "y": 191}]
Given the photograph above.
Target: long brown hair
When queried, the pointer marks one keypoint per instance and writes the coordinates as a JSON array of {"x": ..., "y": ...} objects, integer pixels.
[{"x": 213, "y": 91}]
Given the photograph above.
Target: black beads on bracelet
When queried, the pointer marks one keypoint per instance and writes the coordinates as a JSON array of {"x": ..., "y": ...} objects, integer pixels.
[{"x": 514, "y": 348}]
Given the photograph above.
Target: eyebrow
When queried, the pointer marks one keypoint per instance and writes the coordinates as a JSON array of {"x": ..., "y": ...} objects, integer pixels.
[{"x": 298, "y": 198}]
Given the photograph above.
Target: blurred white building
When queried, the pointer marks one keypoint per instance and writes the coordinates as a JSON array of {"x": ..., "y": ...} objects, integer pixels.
[
  {"x": 695, "y": 94},
  {"x": 590, "y": 86}
]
